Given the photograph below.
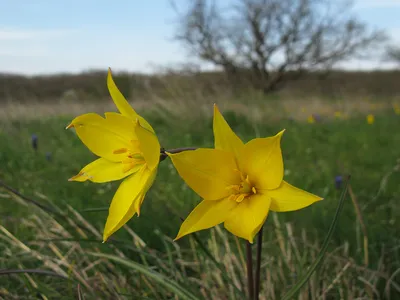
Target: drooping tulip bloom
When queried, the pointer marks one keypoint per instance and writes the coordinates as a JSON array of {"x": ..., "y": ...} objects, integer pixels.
[{"x": 127, "y": 148}]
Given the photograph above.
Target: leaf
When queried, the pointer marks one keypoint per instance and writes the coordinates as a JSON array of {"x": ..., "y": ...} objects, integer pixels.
[
  {"x": 171, "y": 285},
  {"x": 303, "y": 280}
]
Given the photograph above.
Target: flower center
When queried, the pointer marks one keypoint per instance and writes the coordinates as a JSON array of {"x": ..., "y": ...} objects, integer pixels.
[
  {"x": 242, "y": 190},
  {"x": 133, "y": 158}
]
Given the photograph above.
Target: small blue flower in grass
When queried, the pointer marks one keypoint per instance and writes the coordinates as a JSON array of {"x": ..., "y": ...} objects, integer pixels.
[
  {"x": 291, "y": 119},
  {"x": 34, "y": 141},
  {"x": 317, "y": 118},
  {"x": 48, "y": 156},
  {"x": 338, "y": 181}
]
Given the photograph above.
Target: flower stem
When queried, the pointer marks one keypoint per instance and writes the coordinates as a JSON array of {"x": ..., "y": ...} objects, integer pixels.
[
  {"x": 250, "y": 281},
  {"x": 163, "y": 154},
  {"x": 258, "y": 265}
]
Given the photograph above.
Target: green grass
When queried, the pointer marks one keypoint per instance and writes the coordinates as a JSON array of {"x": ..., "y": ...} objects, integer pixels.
[{"x": 313, "y": 155}]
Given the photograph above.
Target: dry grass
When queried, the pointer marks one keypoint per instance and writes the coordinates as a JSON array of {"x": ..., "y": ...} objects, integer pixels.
[
  {"x": 189, "y": 94},
  {"x": 65, "y": 242},
  {"x": 294, "y": 108}
]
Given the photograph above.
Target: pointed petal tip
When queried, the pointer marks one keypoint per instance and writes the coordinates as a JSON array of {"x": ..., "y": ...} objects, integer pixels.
[
  {"x": 280, "y": 133},
  {"x": 105, "y": 237},
  {"x": 216, "y": 109},
  {"x": 73, "y": 178},
  {"x": 177, "y": 237}
]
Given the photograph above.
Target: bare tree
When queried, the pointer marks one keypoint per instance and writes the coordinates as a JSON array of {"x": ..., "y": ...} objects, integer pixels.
[
  {"x": 273, "y": 40},
  {"x": 393, "y": 54}
]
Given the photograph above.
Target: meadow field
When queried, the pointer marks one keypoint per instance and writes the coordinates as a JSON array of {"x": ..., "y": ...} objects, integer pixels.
[{"x": 52, "y": 228}]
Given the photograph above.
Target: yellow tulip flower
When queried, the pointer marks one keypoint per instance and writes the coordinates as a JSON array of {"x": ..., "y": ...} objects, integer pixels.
[
  {"x": 239, "y": 183},
  {"x": 396, "y": 109},
  {"x": 370, "y": 119},
  {"x": 338, "y": 114},
  {"x": 311, "y": 119},
  {"x": 128, "y": 148}
]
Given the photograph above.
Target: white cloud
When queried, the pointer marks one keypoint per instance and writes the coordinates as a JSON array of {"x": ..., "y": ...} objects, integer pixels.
[{"x": 394, "y": 34}]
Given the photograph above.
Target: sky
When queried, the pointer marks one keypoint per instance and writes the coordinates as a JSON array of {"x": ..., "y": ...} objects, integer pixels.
[{"x": 48, "y": 36}]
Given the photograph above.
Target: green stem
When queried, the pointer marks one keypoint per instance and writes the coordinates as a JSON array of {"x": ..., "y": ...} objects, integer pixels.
[
  {"x": 258, "y": 265},
  {"x": 164, "y": 155},
  {"x": 250, "y": 281}
]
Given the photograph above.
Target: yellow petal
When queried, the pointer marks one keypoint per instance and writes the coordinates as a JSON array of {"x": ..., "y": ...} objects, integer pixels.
[
  {"x": 225, "y": 138},
  {"x": 207, "y": 171},
  {"x": 288, "y": 198},
  {"x": 248, "y": 217},
  {"x": 147, "y": 186},
  {"x": 123, "y": 105},
  {"x": 124, "y": 126},
  {"x": 123, "y": 205},
  {"x": 103, "y": 170},
  {"x": 206, "y": 215},
  {"x": 119, "y": 99},
  {"x": 261, "y": 159},
  {"x": 101, "y": 136},
  {"x": 149, "y": 146}
]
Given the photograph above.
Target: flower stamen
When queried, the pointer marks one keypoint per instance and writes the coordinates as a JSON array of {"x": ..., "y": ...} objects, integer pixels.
[
  {"x": 120, "y": 151},
  {"x": 243, "y": 190}
]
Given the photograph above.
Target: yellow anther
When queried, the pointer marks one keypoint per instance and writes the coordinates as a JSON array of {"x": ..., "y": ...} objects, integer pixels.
[
  {"x": 119, "y": 151},
  {"x": 240, "y": 198},
  {"x": 232, "y": 197},
  {"x": 254, "y": 190}
]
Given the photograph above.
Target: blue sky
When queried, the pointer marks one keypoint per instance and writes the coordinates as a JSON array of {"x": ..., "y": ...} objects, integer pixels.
[{"x": 48, "y": 36}]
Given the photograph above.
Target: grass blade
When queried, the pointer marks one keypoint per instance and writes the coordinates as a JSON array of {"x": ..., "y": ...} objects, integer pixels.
[
  {"x": 94, "y": 209},
  {"x": 80, "y": 295},
  {"x": 31, "y": 271},
  {"x": 303, "y": 280},
  {"x": 217, "y": 264},
  {"x": 171, "y": 285}
]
